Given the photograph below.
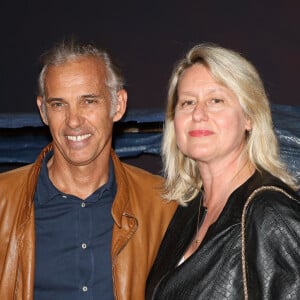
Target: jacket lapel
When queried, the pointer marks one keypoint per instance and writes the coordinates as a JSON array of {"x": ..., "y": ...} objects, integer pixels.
[{"x": 179, "y": 235}]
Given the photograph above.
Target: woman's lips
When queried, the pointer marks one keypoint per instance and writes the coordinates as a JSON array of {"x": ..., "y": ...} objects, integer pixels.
[{"x": 200, "y": 133}]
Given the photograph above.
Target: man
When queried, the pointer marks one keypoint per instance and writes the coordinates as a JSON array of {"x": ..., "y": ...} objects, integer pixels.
[{"x": 78, "y": 223}]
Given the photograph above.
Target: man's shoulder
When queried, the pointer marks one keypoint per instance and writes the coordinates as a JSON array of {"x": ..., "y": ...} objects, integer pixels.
[
  {"x": 15, "y": 174},
  {"x": 134, "y": 170},
  {"x": 14, "y": 191},
  {"x": 149, "y": 189},
  {"x": 13, "y": 184}
]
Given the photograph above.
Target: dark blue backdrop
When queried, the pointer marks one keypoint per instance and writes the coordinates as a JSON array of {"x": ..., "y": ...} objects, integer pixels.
[{"x": 24, "y": 135}]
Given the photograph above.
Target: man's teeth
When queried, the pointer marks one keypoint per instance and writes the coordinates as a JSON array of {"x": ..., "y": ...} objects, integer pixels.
[{"x": 78, "y": 138}]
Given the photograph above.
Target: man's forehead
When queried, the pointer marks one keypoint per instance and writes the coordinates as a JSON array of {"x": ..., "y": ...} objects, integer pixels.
[
  {"x": 86, "y": 67},
  {"x": 84, "y": 62}
]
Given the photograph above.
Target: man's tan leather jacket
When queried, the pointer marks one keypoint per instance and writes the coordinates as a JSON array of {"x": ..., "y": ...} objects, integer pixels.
[{"x": 140, "y": 215}]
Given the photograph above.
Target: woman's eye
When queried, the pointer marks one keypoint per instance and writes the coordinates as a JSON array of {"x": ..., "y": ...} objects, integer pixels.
[
  {"x": 187, "y": 103},
  {"x": 217, "y": 101}
]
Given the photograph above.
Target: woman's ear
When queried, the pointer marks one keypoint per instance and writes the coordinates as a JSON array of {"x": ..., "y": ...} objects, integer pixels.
[
  {"x": 120, "y": 105},
  {"x": 248, "y": 123}
]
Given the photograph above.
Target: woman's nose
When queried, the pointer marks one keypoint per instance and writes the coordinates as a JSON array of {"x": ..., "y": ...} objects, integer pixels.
[{"x": 200, "y": 112}]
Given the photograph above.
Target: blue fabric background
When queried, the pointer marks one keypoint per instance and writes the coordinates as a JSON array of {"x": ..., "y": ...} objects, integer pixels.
[{"x": 24, "y": 135}]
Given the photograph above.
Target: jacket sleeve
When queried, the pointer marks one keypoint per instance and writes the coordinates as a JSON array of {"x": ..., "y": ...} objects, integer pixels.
[{"x": 273, "y": 247}]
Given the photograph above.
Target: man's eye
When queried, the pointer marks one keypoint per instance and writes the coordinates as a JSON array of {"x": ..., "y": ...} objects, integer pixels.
[
  {"x": 90, "y": 101},
  {"x": 56, "y": 104}
]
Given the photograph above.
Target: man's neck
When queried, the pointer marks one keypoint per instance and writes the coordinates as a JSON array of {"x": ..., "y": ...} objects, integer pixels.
[{"x": 80, "y": 181}]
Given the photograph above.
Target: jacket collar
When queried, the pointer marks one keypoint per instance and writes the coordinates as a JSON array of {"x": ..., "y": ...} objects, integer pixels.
[
  {"x": 120, "y": 205},
  {"x": 35, "y": 170},
  {"x": 180, "y": 232}
]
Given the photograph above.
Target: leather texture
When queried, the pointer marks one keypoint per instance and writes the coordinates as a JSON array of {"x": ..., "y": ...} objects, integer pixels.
[
  {"x": 140, "y": 215},
  {"x": 214, "y": 271}
]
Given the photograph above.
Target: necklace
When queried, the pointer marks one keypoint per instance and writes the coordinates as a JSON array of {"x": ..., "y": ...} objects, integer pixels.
[
  {"x": 199, "y": 219},
  {"x": 195, "y": 242}
]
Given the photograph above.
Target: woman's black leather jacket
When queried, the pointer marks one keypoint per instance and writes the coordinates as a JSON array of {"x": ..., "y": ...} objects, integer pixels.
[{"x": 215, "y": 270}]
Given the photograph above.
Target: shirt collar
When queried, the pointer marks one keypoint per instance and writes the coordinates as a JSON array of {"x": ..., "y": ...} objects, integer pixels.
[{"x": 45, "y": 190}]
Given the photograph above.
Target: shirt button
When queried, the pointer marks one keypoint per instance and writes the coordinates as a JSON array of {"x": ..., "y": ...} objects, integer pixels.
[
  {"x": 84, "y": 288},
  {"x": 83, "y": 245},
  {"x": 64, "y": 196},
  {"x": 82, "y": 204}
]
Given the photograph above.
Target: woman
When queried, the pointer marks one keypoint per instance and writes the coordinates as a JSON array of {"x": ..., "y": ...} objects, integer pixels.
[{"x": 237, "y": 232}]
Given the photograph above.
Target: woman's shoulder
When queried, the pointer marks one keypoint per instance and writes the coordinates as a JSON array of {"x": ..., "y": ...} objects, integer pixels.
[
  {"x": 273, "y": 196},
  {"x": 264, "y": 185},
  {"x": 271, "y": 200},
  {"x": 270, "y": 190},
  {"x": 272, "y": 207}
]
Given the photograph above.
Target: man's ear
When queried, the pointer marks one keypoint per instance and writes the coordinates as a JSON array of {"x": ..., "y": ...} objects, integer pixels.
[
  {"x": 120, "y": 105},
  {"x": 39, "y": 101}
]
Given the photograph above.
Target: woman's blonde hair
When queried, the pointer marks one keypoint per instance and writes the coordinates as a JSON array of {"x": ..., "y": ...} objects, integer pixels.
[{"x": 230, "y": 69}]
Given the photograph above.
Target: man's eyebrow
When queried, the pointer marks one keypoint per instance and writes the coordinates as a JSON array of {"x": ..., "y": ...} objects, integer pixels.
[
  {"x": 85, "y": 96},
  {"x": 48, "y": 100},
  {"x": 90, "y": 95}
]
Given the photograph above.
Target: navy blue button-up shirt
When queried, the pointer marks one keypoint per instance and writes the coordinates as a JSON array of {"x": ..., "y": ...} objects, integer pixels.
[{"x": 73, "y": 242}]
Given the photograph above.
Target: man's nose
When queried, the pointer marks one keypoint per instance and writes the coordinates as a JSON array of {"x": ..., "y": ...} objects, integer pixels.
[{"x": 74, "y": 117}]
